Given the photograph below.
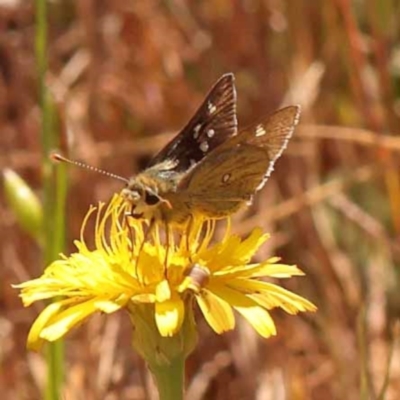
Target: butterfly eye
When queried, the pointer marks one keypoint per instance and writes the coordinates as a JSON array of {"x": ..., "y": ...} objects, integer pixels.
[{"x": 151, "y": 199}]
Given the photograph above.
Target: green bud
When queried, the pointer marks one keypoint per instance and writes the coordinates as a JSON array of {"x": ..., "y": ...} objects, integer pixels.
[{"x": 25, "y": 204}]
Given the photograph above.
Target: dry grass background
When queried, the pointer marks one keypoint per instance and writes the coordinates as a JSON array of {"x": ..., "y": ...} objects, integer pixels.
[{"x": 125, "y": 75}]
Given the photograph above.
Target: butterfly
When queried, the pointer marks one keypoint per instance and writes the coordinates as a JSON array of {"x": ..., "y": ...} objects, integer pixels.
[{"x": 209, "y": 169}]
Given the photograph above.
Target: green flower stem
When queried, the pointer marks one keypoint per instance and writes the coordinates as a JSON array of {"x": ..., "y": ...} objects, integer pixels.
[
  {"x": 170, "y": 379},
  {"x": 53, "y": 192},
  {"x": 165, "y": 356}
]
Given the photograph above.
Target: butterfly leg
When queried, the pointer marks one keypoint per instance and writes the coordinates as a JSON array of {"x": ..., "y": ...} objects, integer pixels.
[
  {"x": 131, "y": 234},
  {"x": 189, "y": 229},
  {"x": 167, "y": 246},
  {"x": 146, "y": 235}
]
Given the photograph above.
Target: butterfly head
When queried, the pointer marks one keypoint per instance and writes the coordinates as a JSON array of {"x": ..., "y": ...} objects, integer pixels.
[{"x": 144, "y": 199}]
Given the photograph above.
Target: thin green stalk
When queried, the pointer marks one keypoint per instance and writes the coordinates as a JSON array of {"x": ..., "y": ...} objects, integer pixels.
[
  {"x": 54, "y": 191},
  {"x": 170, "y": 379}
]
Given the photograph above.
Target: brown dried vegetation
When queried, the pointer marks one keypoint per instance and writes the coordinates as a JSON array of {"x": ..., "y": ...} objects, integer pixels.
[{"x": 124, "y": 76}]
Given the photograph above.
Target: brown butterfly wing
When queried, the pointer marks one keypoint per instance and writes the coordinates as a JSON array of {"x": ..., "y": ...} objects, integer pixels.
[
  {"x": 234, "y": 171},
  {"x": 272, "y": 134},
  {"x": 214, "y": 122},
  {"x": 224, "y": 180}
]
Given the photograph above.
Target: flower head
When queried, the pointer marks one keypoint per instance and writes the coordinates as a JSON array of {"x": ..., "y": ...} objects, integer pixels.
[{"x": 130, "y": 267}]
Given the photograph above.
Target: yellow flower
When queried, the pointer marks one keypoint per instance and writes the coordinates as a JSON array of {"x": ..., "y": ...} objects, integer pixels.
[{"x": 165, "y": 275}]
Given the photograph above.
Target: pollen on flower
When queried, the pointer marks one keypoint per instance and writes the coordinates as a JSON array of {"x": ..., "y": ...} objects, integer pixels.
[{"x": 127, "y": 268}]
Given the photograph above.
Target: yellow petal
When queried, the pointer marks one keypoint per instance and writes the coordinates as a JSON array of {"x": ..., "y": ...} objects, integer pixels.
[
  {"x": 270, "y": 296},
  {"x": 30, "y": 294},
  {"x": 68, "y": 319},
  {"x": 257, "y": 316},
  {"x": 149, "y": 268},
  {"x": 217, "y": 312},
  {"x": 108, "y": 306},
  {"x": 259, "y": 319},
  {"x": 248, "y": 247},
  {"x": 234, "y": 251},
  {"x": 169, "y": 315},
  {"x": 275, "y": 296},
  {"x": 34, "y": 341},
  {"x": 260, "y": 271},
  {"x": 163, "y": 291},
  {"x": 278, "y": 271}
]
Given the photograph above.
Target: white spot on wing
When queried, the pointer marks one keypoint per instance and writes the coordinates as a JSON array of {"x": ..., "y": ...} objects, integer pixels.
[
  {"x": 226, "y": 178},
  {"x": 210, "y": 133},
  {"x": 260, "y": 130},
  {"x": 196, "y": 131},
  {"x": 211, "y": 108},
  {"x": 204, "y": 146}
]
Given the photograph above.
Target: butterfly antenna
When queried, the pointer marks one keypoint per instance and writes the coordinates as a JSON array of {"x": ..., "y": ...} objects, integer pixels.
[{"x": 60, "y": 158}]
